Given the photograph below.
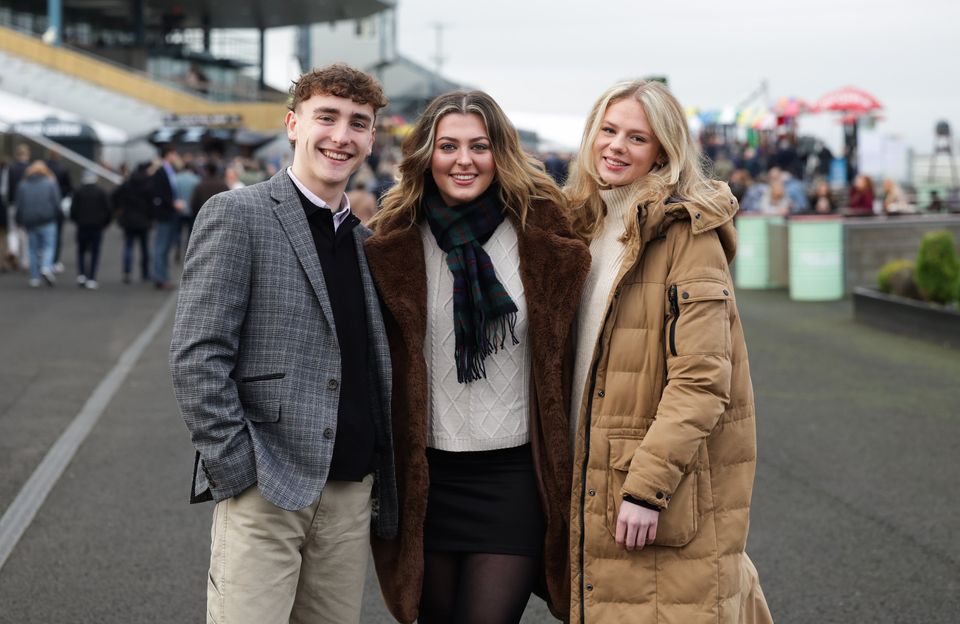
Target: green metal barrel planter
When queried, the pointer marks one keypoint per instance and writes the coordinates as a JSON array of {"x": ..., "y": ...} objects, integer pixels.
[
  {"x": 756, "y": 263},
  {"x": 816, "y": 258}
]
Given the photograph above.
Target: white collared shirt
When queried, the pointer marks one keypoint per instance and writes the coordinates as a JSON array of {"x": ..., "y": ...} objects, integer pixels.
[{"x": 338, "y": 217}]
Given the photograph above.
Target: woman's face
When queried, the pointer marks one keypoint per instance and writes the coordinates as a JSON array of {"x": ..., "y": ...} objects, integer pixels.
[
  {"x": 462, "y": 163},
  {"x": 625, "y": 149}
]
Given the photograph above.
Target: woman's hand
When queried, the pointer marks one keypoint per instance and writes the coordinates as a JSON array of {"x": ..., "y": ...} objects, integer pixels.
[{"x": 636, "y": 526}]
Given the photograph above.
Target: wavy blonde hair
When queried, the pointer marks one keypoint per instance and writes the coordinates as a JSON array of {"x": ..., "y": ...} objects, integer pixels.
[
  {"x": 682, "y": 175},
  {"x": 521, "y": 177}
]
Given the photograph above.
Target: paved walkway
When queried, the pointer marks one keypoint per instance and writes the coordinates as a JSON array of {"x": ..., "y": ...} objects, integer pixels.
[{"x": 856, "y": 507}]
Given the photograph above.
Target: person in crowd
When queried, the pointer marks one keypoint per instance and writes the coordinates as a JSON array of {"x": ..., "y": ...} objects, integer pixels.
[
  {"x": 860, "y": 202},
  {"x": 232, "y": 179},
  {"x": 187, "y": 180},
  {"x": 133, "y": 202},
  {"x": 755, "y": 195},
  {"x": 21, "y": 160},
  {"x": 740, "y": 181},
  {"x": 15, "y": 257},
  {"x": 166, "y": 211},
  {"x": 363, "y": 203},
  {"x": 936, "y": 203},
  {"x": 90, "y": 210},
  {"x": 557, "y": 167},
  {"x": 775, "y": 201},
  {"x": 797, "y": 193},
  {"x": 480, "y": 276},
  {"x": 37, "y": 200},
  {"x": 895, "y": 199},
  {"x": 387, "y": 172},
  {"x": 663, "y": 411},
  {"x": 281, "y": 369},
  {"x": 821, "y": 200},
  {"x": 5, "y": 255},
  {"x": 211, "y": 184},
  {"x": 65, "y": 183}
]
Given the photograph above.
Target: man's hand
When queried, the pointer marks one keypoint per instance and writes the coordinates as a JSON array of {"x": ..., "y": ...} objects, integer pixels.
[
  {"x": 636, "y": 526},
  {"x": 179, "y": 205}
]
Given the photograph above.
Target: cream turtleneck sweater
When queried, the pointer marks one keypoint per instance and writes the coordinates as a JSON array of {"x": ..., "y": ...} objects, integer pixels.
[{"x": 606, "y": 252}]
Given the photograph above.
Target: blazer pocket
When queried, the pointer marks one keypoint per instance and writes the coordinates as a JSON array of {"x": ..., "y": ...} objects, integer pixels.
[
  {"x": 260, "y": 400},
  {"x": 267, "y": 377},
  {"x": 262, "y": 411},
  {"x": 678, "y": 523}
]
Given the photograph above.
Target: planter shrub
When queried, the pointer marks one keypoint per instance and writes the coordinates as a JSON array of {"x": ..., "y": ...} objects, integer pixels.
[
  {"x": 896, "y": 278},
  {"x": 938, "y": 269}
]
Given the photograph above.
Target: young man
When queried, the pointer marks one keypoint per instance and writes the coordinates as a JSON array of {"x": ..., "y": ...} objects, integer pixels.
[{"x": 282, "y": 371}]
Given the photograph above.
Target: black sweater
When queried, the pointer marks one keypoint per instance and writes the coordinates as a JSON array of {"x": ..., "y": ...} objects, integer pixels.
[{"x": 355, "y": 446}]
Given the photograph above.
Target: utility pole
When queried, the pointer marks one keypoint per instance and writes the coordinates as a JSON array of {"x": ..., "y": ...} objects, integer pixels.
[{"x": 438, "y": 57}]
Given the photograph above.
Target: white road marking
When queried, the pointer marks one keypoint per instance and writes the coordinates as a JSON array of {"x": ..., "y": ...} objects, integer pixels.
[{"x": 24, "y": 507}]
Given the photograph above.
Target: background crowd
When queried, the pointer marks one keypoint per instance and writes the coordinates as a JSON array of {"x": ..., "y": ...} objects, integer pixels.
[{"x": 156, "y": 204}]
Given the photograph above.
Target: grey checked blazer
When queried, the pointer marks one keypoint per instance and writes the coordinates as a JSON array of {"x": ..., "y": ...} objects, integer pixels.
[{"x": 255, "y": 360}]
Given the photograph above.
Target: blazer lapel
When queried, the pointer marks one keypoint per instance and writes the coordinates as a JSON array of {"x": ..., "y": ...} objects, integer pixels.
[
  {"x": 289, "y": 211},
  {"x": 378, "y": 333}
]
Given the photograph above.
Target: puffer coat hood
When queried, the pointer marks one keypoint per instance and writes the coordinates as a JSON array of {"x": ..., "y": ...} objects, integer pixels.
[{"x": 668, "y": 418}]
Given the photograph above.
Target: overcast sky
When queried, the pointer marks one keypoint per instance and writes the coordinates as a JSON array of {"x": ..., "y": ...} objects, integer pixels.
[{"x": 552, "y": 57}]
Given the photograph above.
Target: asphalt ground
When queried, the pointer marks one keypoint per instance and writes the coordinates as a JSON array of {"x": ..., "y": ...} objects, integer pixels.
[{"x": 856, "y": 505}]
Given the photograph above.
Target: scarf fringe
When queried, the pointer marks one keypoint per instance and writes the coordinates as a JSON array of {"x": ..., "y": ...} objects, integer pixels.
[{"x": 490, "y": 338}]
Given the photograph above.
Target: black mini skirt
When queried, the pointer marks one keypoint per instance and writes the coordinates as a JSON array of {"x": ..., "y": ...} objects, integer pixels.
[{"x": 484, "y": 502}]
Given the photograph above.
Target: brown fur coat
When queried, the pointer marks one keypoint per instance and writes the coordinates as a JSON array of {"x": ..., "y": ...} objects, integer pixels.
[{"x": 553, "y": 267}]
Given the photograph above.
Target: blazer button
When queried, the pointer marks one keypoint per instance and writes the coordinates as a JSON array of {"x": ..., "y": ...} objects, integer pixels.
[
  {"x": 328, "y": 433},
  {"x": 685, "y": 295},
  {"x": 332, "y": 384},
  {"x": 726, "y": 292},
  {"x": 659, "y": 494},
  {"x": 592, "y": 492},
  {"x": 589, "y": 586},
  {"x": 601, "y": 394}
]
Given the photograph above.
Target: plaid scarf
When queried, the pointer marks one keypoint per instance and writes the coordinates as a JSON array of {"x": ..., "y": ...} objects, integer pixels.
[{"x": 482, "y": 309}]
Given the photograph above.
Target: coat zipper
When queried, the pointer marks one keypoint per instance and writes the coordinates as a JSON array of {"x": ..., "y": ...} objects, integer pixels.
[
  {"x": 675, "y": 314},
  {"x": 586, "y": 458}
]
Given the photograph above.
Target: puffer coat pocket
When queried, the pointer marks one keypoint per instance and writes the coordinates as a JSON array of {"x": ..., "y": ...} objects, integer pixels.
[
  {"x": 698, "y": 322},
  {"x": 678, "y": 523}
]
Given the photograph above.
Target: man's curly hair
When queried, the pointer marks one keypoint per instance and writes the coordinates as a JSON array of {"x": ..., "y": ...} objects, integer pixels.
[{"x": 339, "y": 80}]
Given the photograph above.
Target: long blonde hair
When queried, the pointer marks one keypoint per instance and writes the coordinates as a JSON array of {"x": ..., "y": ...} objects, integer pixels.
[
  {"x": 682, "y": 174},
  {"x": 521, "y": 177}
]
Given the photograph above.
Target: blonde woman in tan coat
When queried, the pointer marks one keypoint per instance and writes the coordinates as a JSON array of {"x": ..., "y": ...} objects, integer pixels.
[{"x": 663, "y": 410}]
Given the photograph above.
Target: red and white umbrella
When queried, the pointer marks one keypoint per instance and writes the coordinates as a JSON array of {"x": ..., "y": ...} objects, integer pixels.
[{"x": 850, "y": 100}]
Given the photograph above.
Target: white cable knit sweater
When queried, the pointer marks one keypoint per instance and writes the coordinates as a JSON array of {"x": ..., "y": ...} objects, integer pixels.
[
  {"x": 606, "y": 252},
  {"x": 489, "y": 413}
]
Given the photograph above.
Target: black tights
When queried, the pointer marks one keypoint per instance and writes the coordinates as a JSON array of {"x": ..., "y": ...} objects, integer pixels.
[{"x": 476, "y": 588}]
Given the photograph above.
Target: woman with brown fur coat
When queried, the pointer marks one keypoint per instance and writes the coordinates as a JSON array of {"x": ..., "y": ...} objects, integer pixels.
[
  {"x": 480, "y": 276},
  {"x": 664, "y": 412}
]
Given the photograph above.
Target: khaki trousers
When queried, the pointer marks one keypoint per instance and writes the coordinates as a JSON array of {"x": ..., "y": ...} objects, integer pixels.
[{"x": 272, "y": 566}]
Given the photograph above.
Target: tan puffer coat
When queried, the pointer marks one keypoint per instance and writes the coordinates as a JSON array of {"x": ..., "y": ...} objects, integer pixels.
[{"x": 668, "y": 417}]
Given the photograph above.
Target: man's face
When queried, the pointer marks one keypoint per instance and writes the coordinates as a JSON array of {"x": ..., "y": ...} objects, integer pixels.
[{"x": 333, "y": 137}]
